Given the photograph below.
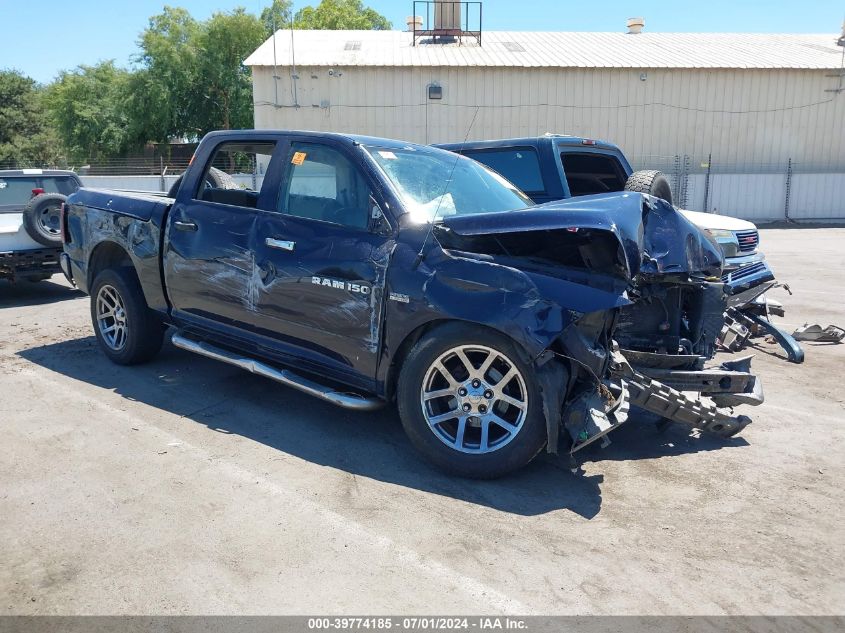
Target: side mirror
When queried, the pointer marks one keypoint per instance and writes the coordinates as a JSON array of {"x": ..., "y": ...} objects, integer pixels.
[{"x": 378, "y": 222}]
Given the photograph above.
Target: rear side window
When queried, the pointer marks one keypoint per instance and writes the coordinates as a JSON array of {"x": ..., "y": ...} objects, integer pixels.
[
  {"x": 519, "y": 165},
  {"x": 16, "y": 190},
  {"x": 588, "y": 173},
  {"x": 57, "y": 184},
  {"x": 235, "y": 173}
]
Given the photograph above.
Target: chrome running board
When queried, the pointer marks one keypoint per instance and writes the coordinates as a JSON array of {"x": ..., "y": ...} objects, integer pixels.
[{"x": 284, "y": 376}]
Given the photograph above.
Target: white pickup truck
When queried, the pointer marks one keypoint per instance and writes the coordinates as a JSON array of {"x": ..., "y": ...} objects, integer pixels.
[{"x": 30, "y": 209}]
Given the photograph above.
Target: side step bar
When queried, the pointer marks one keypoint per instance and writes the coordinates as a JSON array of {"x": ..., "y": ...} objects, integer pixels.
[{"x": 284, "y": 376}]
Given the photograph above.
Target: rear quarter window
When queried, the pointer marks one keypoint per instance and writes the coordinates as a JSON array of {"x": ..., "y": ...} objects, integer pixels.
[
  {"x": 589, "y": 173},
  {"x": 17, "y": 190},
  {"x": 519, "y": 165}
]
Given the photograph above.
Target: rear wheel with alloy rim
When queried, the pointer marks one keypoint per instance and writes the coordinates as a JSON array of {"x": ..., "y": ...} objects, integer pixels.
[
  {"x": 111, "y": 317},
  {"x": 126, "y": 329},
  {"x": 470, "y": 402}
]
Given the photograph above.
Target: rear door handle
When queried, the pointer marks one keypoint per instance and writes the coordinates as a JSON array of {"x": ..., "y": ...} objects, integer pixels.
[
  {"x": 185, "y": 226},
  {"x": 284, "y": 245}
]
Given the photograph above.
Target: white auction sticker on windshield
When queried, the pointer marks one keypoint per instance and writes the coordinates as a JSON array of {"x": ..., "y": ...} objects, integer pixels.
[{"x": 387, "y": 155}]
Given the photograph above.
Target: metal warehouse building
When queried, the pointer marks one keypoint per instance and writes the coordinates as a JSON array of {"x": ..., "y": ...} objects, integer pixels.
[{"x": 747, "y": 124}]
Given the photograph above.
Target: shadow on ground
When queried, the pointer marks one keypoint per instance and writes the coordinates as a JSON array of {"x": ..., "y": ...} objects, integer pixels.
[
  {"x": 229, "y": 400},
  {"x": 27, "y": 293}
]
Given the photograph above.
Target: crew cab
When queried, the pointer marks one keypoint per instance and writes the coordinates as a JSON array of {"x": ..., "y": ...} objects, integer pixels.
[
  {"x": 365, "y": 271},
  {"x": 555, "y": 167},
  {"x": 30, "y": 203}
]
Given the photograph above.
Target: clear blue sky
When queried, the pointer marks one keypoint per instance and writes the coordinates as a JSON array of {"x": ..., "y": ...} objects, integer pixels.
[{"x": 42, "y": 37}]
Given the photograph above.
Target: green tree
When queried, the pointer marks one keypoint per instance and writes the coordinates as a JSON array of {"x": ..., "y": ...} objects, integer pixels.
[
  {"x": 86, "y": 108},
  {"x": 341, "y": 14},
  {"x": 191, "y": 78},
  {"x": 26, "y": 138},
  {"x": 164, "y": 92},
  {"x": 225, "y": 41},
  {"x": 277, "y": 16}
]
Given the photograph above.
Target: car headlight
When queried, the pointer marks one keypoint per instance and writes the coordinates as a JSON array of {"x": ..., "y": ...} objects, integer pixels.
[{"x": 720, "y": 233}]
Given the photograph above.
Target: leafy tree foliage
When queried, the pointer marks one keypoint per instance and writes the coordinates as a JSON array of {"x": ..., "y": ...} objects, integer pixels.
[
  {"x": 187, "y": 80},
  {"x": 277, "y": 16},
  {"x": 225, "y": 41},
  {"x": 165, "y": 90},
  {"x": 26, "y": 138},
  {"x": 341, "y": 14},
  {"x": 85, "y": 106}
]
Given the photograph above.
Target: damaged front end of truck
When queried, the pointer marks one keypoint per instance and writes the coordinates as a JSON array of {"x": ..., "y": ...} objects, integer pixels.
[{"x": 622, "y": 299}]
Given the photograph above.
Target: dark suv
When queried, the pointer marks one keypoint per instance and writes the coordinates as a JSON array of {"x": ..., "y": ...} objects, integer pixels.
[{"x": 30, "y": 209}]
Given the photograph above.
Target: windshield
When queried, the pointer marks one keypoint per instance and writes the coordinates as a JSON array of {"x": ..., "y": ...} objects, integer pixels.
[{"x": 435, "y": 183}]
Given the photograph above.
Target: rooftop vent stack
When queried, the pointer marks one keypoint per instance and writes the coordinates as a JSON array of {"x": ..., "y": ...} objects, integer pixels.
[
  {"x": 414, "y": 22},
  {"x": 447, "y": 15},
  {"x": 635, "y": 25}
]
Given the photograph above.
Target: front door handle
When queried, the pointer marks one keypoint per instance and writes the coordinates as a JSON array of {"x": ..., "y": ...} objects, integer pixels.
[
  {"x": 284, "y": 245},
  {"x": 185, "y": 226}
]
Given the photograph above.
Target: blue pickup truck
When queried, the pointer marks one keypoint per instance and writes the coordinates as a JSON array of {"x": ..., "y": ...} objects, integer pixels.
[
  {"x": 556, "y": 167},
  {"x": 365, "y": 271}
]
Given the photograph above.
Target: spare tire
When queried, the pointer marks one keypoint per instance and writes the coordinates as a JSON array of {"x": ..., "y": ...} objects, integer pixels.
[
  {"x": 652, "y": 182},
  {"x": 215, "y": 178},
  {"x": 42, "y": 218}
]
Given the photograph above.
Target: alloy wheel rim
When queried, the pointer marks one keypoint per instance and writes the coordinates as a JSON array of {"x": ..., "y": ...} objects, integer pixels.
[
  {"x": 474, "y": 399},
  {"x": 111, "y": 318}
]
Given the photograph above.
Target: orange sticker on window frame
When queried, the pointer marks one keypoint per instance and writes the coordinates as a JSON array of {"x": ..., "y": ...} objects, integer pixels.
[{"x": 298, "y": 158}]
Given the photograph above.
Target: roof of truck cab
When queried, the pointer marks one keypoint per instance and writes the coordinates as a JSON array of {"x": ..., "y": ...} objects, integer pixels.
[
  {"x": 13, "y": 173},
  {"x": 529, "y": 141},
  {"x": 337, "y": 136}
]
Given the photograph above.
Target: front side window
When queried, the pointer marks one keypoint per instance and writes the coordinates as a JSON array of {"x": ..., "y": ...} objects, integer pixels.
[
  {"x": 435, "y": 183},
  {"x": 519, "y": 165},
  {"x": 235, "y": 173},
  {"x": 323, "y": 184}
]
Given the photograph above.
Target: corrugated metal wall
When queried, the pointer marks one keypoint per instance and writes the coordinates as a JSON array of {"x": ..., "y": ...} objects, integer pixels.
[{"x": 746, "y": 121}]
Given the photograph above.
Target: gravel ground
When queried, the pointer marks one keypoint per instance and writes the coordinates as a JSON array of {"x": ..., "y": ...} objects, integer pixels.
[{"x": 187, "y": 486}]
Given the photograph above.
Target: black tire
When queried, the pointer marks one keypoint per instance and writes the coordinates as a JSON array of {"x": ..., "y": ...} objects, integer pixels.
[
  {"x": 41, "y": 218},
  {"x": 652, "y": 182},
  {"x": 214, "y": 178},
  {"x": 143, "y": 327},
  {"x": 514, "y": 454}
]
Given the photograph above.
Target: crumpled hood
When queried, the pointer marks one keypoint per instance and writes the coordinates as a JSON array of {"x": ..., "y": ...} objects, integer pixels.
[{"x": 655, "y": 239}]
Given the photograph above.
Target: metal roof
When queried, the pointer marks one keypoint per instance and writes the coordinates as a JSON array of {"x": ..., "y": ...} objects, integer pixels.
[{"x": 554, "y": 50}]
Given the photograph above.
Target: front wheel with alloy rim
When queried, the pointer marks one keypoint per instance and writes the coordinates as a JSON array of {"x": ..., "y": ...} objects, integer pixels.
[
  {"x": 126, "y": 329},
  {"x": 470, "y": 402}
]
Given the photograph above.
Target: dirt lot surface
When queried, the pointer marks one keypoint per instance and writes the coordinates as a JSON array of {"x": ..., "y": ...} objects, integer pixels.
[{"x": 188, "y": 486}]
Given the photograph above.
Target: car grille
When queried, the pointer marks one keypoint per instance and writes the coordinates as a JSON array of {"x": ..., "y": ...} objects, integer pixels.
[
  {"x": 745, "y": 271},
  {"x": 748, "y": 241}
]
